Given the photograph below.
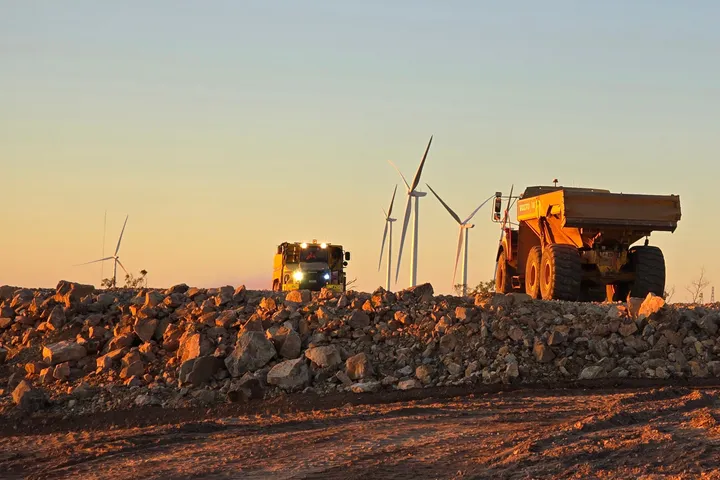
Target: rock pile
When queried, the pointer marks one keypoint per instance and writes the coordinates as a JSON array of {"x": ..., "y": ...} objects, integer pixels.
[{"x": 75, "y": 347}]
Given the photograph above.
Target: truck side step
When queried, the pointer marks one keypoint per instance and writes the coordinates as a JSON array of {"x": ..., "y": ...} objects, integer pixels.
[{"x": 517, "y": 281}]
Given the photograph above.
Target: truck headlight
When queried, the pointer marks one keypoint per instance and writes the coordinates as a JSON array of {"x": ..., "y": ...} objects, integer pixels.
[
  {"x": 326, "y": 276},
  {"x": 298, "y": 275}
]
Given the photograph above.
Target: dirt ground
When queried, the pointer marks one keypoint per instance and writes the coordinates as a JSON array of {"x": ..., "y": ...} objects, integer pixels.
[{"x": 649, "y": 432}]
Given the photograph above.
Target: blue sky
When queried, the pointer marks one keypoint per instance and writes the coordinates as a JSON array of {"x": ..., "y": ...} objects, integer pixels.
[{"x": 224, "y": 128}]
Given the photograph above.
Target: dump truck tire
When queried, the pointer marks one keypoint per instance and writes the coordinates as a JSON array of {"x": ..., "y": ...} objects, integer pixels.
[
  {"x": 561, "y": 273},
  {"x": 503, "y": 275},
  {"x": 648, "y": 264},
  {"x": 532, "y": 272}
]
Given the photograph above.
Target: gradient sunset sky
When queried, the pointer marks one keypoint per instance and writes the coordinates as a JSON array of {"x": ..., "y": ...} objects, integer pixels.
[{"x": 224, "y": 128}]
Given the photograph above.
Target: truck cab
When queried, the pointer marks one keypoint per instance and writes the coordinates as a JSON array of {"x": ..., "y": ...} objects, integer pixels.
[{"x": 310, "y": 266}]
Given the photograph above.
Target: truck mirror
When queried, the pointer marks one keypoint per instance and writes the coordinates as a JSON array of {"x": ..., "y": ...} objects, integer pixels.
[
  {"x": 497, "y": 207},
  {"x": 347, "y": 256}
]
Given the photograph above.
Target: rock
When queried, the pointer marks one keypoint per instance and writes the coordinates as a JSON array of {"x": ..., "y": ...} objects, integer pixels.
[
  {"x": 268, "y": 303},
  {"x": 633, "y": 305},
  {"x": 345, "y": 380},
  {"x": 205, "y": 397},
  {"x": 359, "y": 319},
  {"x": 64, "y": 351},
  {"x": 71, "y": 293},
  {"x": 57, "y": 318},
  {"x": 512, "y": 370},
  {"x": 627, "y": 329},
  {"x": 298, "y": 296},
  {"x": 709, "y": 324},
  {"x": 153, "y": 299},
  {"x": 592, "y": 372},
  {"x": 652, "y": 304},
  {"x": 28, "y": 398},
  {"x": 135, "y": 369},
  {"x": 424, "y": 374},
  {"x": 358, "y": 367},
  {"x": 557, "y": 338},
  {"x": 543, "y": 353},
  {"x": 192, "y": 345},
  {"x": 180, "y": 288},
  {"x": 291, "y": 346},
  {"x": 422, "y": 293},
  {"x": 409, "y": 384},
  {"x": 3, "y": 355},
  {"x": 145, "y": 400},
  {"x": 252, "y": 351},
  {"x": 289, "y": 374},
  {"x": 366, "y": 387},
  {"x": 145, "y": 328},
  {"x": 326, "y": 356},
  {"x": 200, "y": 370},
  {"x": 61, "y": 371}
]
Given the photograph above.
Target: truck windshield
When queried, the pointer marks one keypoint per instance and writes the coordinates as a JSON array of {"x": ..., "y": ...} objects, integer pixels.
[{"x": 313, "y": 254}]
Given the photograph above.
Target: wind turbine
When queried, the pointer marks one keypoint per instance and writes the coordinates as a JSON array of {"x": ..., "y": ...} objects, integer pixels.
[
  {"x": 388, "y": 226},
  {"x": 115, "y": 256},
  {"x": 412, "y": 193},
  {"x": 462, "y": 238}
]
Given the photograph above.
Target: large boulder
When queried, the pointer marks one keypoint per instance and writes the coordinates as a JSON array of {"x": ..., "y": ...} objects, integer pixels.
[
  {"x": 200, "y": 370},
  {"x": 326, "y": 356},
  {"x": 252, "y": 351},
  {"x": 289, "y": 374},
  {"x": 28, "y": 398},
  {"x": 652, "y": 304},
  {"x": 57, "y": 318},
  {"x": 298, "y": 296},
  {"x": 193, "y": 345},
  {"x": 64, "y": 351},
  {"x": 145, "y": 328},
  {"x": 359, "y": 319},
  {"x": 358, "y": 367},
  {"x": 70, "y": 292}
]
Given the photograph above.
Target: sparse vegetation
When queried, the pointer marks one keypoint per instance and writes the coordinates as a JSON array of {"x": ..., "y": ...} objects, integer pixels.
[
  {"x": 482, "y": 288},
  {"x": 696, "y": 287},
  {"x": 130, "y": 281}
]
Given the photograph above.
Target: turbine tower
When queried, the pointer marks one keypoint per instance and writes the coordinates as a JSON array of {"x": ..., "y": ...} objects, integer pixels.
[
  {"x": 412, "y": 193},
  {"x": 388, "y": 227},
  {"x": 462, "y": 238},
  {"x": 115, "y": 256}
]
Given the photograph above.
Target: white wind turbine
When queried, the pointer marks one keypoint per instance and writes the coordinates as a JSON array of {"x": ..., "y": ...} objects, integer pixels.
[
  {"x": 388, "y": 226},
  {"x": 462, "y": 238},
  {"x": 412, "y": 193},
  {"x": 115, "y": 256}
]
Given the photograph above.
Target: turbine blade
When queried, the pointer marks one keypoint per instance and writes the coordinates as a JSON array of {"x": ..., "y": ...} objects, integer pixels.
[
  {"x": 392, "y": 200},
  {"x": 457, "y": 255},
  {"x": 477, "y": 209},
  {"x": 416, "y": 180},
  {"x": 122, "y": 266},
  {"x": 450, "y": 210},
  {"x": 386, "y": 214},
  {"x": 382, "y": 247},
  {"x": 121, "y": 235},
  {"x": 406, "y": 220},
  {"x": 403, "y": 176},
  {"x": 94, "y": 261}
]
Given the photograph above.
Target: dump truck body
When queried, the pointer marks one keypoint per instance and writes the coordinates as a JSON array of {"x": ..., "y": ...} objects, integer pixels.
[
  {"x": 310, "y": 266},
  {"x": 599, "y": 225}
]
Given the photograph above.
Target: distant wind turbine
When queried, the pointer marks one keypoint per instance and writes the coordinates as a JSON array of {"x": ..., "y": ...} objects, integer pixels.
[
  {"x": 462, "y": 238},
  {"x": 412, "y": 193},
  {"x": 388, "y": 227},
  {"x": 115, "y": 256}
]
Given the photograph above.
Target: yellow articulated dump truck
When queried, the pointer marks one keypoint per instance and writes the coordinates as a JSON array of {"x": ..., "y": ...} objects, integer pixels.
[
  {"x": 309, "y": 266},
  {"x": 577, "y": 244}
]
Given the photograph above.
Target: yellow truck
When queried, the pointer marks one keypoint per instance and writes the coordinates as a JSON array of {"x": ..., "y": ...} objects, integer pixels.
[
  {"x": 309, "y": 266},
  {"x": 577, "y": 244}
]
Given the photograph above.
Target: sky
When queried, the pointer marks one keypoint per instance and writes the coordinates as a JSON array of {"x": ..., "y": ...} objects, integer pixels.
[{"x": 224, "y": 128}]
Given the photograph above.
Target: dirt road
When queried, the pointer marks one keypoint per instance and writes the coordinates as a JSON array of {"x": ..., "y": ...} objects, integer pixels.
[{"x": 668, "y": 432}]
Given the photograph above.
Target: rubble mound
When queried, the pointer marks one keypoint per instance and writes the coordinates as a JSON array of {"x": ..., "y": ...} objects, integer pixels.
[{"x": 86, "y": 350}]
